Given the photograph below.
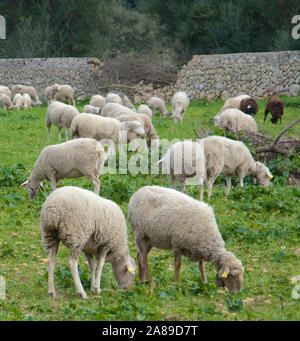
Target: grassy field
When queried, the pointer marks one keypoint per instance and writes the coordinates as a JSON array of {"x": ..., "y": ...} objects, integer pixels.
[{"x": 261, "y": 226}]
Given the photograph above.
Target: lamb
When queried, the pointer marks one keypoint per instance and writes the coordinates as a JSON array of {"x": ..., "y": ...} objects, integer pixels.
[
  {"x": 97, "y": 101},
  {"x": 27, "y": 101},
  {"x": 5, "y": 90},
  {"x": 5, "y": 101},
  {"x": 235, "y": 120},
  {"x": 71, "y": 159},
  {"x": 61, "y": 115},
  {"x": 107, "y": 129},
  {"x": 180, "y": 101},
  {"x": 234, "y": 102},
  {"x": 62, "y": 92},
  {"x": 18, "y": 101},
  {"x": 125, "y": 100},
  {"x": 86, "y": 222},
  {"x": 30, "y": 90},
  {"x": 90, "y": 109},
  {"x": 169, "y": 220},
  {"x": 158, "y": 104},
  {"x": 275, "y": 106},
  {"x": 184, "y": 160},
  {"x": 232, "y": 158},
  {"x": 249, "y": 106},
  {"x": 112, "y": 109},
  {"x": 144, "y": 109}
]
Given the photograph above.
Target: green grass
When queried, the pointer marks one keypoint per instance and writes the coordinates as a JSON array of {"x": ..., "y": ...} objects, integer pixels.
[{"x": 261, "y": 226}]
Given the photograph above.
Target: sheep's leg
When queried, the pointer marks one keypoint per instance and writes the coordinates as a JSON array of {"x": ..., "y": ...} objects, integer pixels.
[
  {"x": 92, "y": 266},
  {"x": 95, "y": 181},
  {"x": 73, "y": 264},
  {"x": 177, "y": 264},
  {"x": 101, "y": 259},
  {"x": 172, "y": 179},
  {"x": 51, "y": 265},
  {"x": 202, "y": 270},
  {"x": 141, "y": 271},
  {"x": 210, "y": 182},
  {"x": 58, "y": 133},
  {"x": 48, "y": 132},
  {"x": 144, "y": 248},
  {"x": 228, "y": 185},
  {"x": 181, "y": 180},
  {"x": 52, "y": 180},
  {"x": 66, "y": 133}
]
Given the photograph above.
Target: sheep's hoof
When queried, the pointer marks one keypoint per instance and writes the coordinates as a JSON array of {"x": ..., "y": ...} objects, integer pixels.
[
  {"x": 52, "y": 295},
  {"x": 95, "y": 289},
  {"x": 83, "y": 295}
]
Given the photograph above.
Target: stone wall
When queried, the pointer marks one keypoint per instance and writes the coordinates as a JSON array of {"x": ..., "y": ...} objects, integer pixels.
[{"x": 227, "y": 75}]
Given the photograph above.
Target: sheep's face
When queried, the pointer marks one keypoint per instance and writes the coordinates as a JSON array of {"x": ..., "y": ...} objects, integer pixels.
[
  {"x": 263, "y": 174},
  {"x": 250, "y": 110},
  {"x": 32, "y": 190},
  {"x": 230, "y": 274},
  {"x": 124, "y": 272}
]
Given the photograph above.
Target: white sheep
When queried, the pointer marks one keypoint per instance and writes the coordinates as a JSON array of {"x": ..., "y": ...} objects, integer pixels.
[
  {"x": 90, "y": 109},
  {"x": 27, "y": 101},
  {"x": 71, "y": 159},
  {"x": 30, "y": 90},
  {"x": 61, "y": 115},
  {"x": 64, "y": 92},
  {"x": 5, "y": 90},
  {"x": 87, "y": 223},
  {"x": 180, "y": 101},
  {"x": 97, "y": 101},
  {"x": 170, "y": 220},
  {"x": 232, "y": 158},
  {"x": 106, "y": 129},
  {"x": 113, "y": 98},
  {"x": 185, "y": 160},
  {"x": 5, "y": 101},
  {"x": 112, "y": 109},
  {"x": 18, "y": 101},
  {"x": 235, "y": 120},
  {"x": 144, "y": 109},
  {"x": 234, "y": 102},
  {"x": 125, "y": 100},
  {"x": 158, "y": 104}
]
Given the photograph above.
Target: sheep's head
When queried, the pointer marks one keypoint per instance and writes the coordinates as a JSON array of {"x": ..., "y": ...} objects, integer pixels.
[
  {"x": 230, "y": 274},
  {"x": 124, "y": 272},
  {"x": 263, "y": 174},
  {"x": 32, "y": 189}
]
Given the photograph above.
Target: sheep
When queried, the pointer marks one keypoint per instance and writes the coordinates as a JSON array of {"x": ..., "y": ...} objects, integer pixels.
[
  {"x": 107, "y": 129},
  {"x": 113, "y": 98},
  {"x": 249, "y": 106},
  {"x": 61, "y": 115},
  {"x": 184, "y": 160},
  {"x": 235, "y": 120},
  {"x": 86, "y": 222},
  {"x": 71, "y": 159},
  {"x": 125, "y": 100},
  {"x": 18, "y": 101},
  {"x": 90, "y": 109},
  {"x": 170, "y": 220},
  {"x": 144, "y": 109},
  {"x": 158, "y": 104},
  {"x": 5, "y": 101},
  {"x": 150, "y": 131},
  {"x": 234, "y": 102},
  {"x": 275, "y": 106},
  {"x": 112, "y": 109},
  {"x": 180, "y": 101},
  {"x": 97, "y": 101},
  {"x": 5, "y": 90},
  {"x": 64, "y": 92},
  {"x": 27, "y": 101},
  {"x": 232, "y": 158},
  {"x": 30, "y": 90}
]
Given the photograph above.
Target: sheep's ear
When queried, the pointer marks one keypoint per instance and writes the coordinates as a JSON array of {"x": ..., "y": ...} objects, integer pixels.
[
  {"x": 24, "y": 184},
  {"x": 130, "y": 269},
  {"x": 42, "y": 187},
  {"x": 224, "y": 271}
]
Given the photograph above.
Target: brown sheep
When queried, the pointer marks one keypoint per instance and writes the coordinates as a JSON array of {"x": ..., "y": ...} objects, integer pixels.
[
  {"x": 275, "y": 106},
  {"x": 249, "y": 106}
]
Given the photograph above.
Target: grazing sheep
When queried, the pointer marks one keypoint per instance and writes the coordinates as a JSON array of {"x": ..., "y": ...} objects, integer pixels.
[
  {"x": 232, "y": 158},
  {"x": 158, "y": 104},
  {"x": 5, "y": 90},
  {"x": 97, "y": 101},
  {"x": 185, "y": 160},
  {"x": 249, "y": 106},
  {"x": 86, "y": 222},
  {"x": 113, "y": 98},
  {"x": 62, "y": 92},
  {"x": 125, "y": 100},
  {"x": 61, "y": 115},
  {"x": 107, "y": 129},
  {"x": 180, "y": 102},
  {"x": 234, "y": 102},
  {"x": 30, "y": 90},
  {"x": 112, "y": 109},
  {"x": 169, "y": 220},
  {"x": 235, "y": 120},
  {"x": 18, "y": 101},
  {"x": 5, "y": 101},
  {"x": 275, "y": 106},
  {"x": 144, "y": 109},
  {"x": 90, "y": 109},
  {"x": 71, "y": 159},
  {"x": 27, "y": 101}
]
